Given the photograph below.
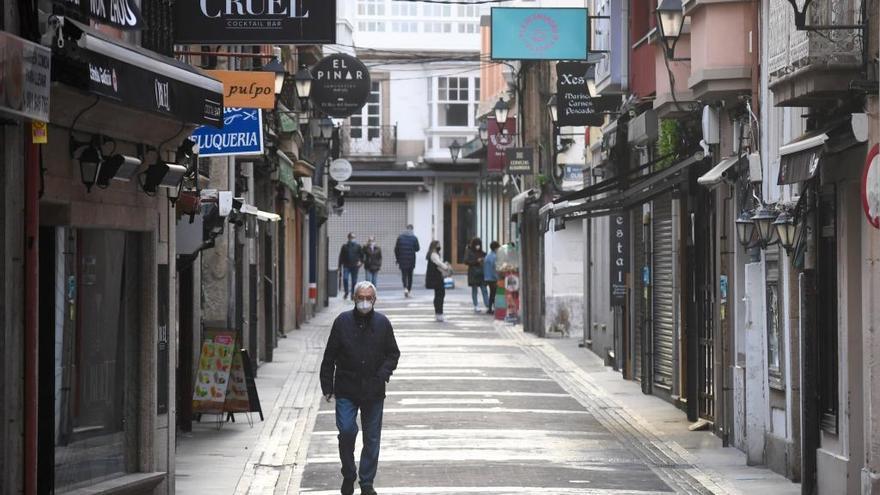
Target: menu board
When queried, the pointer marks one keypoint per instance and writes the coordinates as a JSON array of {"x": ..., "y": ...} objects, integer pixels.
[
  {"x": 212, "y": 378},
  {"x": 236, "y": 392}
]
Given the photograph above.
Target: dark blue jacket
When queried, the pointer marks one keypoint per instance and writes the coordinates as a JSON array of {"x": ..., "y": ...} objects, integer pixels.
[
  {"x": 360, "y": 356},
  {"x": 351, "y": 254},
  {"x": 405, "y": 250}
]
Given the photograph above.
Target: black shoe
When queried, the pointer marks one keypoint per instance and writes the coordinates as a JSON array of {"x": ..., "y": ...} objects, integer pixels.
[
  {"x": 347, "y": 487},
  {"x": 368, "y": 490},
  {"x": 345, "y": 296},
  {"x": 490, "y": 311}
]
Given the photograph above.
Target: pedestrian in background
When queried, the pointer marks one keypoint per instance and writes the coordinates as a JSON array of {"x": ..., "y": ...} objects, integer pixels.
[
  {"x": 405, "y": 250},
  {"x": 490, "y": 275},
  {"x": 473, "y": 258},
  {"x": 360, "y": 356},
  {"x": 351, "y": 257},
  {"x": 372, "y": 261},
  {"x": 437, "y": 271}
]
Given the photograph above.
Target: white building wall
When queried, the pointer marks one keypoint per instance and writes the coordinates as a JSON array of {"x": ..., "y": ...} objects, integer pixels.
[{"x": 564, "y": 278}]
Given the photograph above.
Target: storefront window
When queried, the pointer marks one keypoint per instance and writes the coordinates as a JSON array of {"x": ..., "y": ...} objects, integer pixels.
[
  {"x": 775, "y": 343},
  {"x": 96, "y": 321}
]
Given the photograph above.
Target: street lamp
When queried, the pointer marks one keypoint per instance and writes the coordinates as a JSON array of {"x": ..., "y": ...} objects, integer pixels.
[
  {"x": 454, "y": 150},
  {"x": 787, "y": 230},
  {"x": 501, "y": 110},
  {"x": 554, "y": 109},
  {"x": 745, "y": 228},
  {"x": 670, "y": 20},
  {"x": 764, "y": 219},
  {"x": 303, "y": 79},
  {"x": 326, "y": 127},
  {"x": 275, "y": 66},
  {"x": 484, "y": 132},
  {"x": 89, "y": 166}
]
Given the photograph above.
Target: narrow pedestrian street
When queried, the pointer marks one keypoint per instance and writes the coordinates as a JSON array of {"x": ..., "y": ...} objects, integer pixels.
[{"x": 480, "y": 407}]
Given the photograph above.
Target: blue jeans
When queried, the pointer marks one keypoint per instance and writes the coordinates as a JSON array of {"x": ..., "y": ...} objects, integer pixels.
[
  {"x": 372, "y": 277},
  {"x": 346, "y": 423},
  {"x": 485, "y": 295},
  {"x": 349, "y": 273}
]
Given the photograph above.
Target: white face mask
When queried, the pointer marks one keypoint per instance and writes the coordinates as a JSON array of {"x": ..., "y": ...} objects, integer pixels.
[{"x": 364, "y": 307}]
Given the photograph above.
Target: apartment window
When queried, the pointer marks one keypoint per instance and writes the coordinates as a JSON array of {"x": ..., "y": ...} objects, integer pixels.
[
  {"x": 368, "y": 123},
  {"x": 438, "y": 27},
  {"x": 468, "y": 27},
  {"x": 371, "y": 26},
  {"x": 775, "y": 334},
  {"x": 404, "y": 26},
  {"x": 453, "y": 107},
  {"x": 470, "y": 11},
  {"x": 404, "y": 9},
  {"x": 437, "y": 10},
  {"x": 371, "y": 7},
  {"x": 826, "y": 314}
]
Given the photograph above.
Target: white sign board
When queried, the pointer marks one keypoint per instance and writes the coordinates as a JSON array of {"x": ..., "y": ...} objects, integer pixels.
[
  {"x": 340, "y": 170},
  {"x": 25, "y": 70}
]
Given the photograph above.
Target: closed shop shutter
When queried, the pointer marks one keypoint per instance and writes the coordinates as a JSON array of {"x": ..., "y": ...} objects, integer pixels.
[
  {"x": 641, "y": 293},
  {"x": 663, "y": 300},
  {"x": 382, "y": 218}
]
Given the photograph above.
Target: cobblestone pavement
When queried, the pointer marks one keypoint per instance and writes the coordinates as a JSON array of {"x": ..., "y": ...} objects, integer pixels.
[{"x": 478, "y": 407}]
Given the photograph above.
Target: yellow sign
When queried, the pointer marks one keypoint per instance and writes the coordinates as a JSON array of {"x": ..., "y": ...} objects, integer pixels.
[
  {"x": 39, "y": 132},
  {"x": 243, "y": 89}
]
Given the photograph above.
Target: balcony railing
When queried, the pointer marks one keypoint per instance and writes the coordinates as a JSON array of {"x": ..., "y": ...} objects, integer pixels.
[
  {"x": 791, "y": 50},
  {"x": 365, "y": 141}
]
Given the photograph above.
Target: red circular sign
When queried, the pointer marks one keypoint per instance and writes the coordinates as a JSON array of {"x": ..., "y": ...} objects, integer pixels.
[{"x": 871, "y": 187}]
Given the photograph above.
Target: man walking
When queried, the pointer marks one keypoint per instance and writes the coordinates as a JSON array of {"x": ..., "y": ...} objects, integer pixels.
[
  {"x": 405, "y": 255},
  {"x": 360, "y": 356},
  {"x": 351, "y": 257},
  {"x": 372, "y": 261}
]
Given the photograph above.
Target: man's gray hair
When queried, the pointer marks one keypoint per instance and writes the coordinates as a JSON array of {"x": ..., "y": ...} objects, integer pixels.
[{"x": 362, "y": 285}]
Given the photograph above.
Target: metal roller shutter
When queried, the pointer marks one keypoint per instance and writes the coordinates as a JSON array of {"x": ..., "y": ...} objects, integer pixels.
[
  {"x": 663, "y": 300},
  {"x": 382, "y": 218},
  {"x": 639, "y": 322}
]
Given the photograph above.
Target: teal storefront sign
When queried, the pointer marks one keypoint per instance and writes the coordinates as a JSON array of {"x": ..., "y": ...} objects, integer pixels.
[{"x": 540, "y": 34}]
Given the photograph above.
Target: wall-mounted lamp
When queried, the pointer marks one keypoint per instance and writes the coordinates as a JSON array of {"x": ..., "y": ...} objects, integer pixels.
[
  {"x": 745, "y": 228},
  {"x": 670, "y": 22},
  {"x": 275, "y": 66},
  {"x": 501, "y": 110},
  {"x": 763, "y": 220},
  {"x": 303, "y": 80},
  {"x": 484, "y": 133},
  {"x": 89, "y": 166},
  {"x": 455, "y": 150},
  {"x": 553, "y": 108},
  {"x": 786, "y": 229}
]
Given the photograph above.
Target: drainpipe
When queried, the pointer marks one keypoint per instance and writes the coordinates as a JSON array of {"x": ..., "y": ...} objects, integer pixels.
[{"x": 31, "y": 315}]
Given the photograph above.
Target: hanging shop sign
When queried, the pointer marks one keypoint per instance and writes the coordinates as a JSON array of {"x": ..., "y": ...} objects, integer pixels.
[
  {"x": 340, "y": 170},
  {"x": 619, "y": 257},
  {"x": 539, "y": 34},
  {"x": 242, "y": 134},
  {"x": 871, "y": 187},
  {"x": 575, "y": 105},
  {"x": 25, "y": 70},
  {"x": 246, "y": 89},
  {"x": 255, "y": 22},
  {"x": 121, "y": 14},
  {"x": 341, "y": 85},
  {"x": 520, "y": 160},
  {"x": 499, "y": 141}
]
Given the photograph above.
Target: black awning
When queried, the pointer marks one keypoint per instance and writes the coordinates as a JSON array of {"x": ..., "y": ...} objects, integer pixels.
[
  {"x": 610, "y": 184},
  {"x": 643, "y": 189},
  {"x": 800, "y": 159},
  {"x": 136, "y": 77}
]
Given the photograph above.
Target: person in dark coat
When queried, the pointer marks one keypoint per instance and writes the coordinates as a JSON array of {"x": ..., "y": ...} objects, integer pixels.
[
  {"x": 351, "y": 257},
  {"x": 360, "y": 356},
  {"x": 405, "y": 256},
  {"x": 437, "y": 271},
  {"x": 372, "y": 260},
  {"x": 473, "y": 258}
]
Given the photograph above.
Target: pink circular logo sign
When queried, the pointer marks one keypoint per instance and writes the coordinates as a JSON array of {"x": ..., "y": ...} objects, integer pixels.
[
  {"x": 871, "y": 187},
  {"x": 539, "y": 33}
]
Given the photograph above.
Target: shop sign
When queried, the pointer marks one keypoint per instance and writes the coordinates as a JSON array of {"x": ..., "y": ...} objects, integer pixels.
[
  {"x": 25, "y": 70},
  {"x": 575, "y": 106},
  {"x": 499, "y": 141},
  {"x": 150, "y": 91},
  {"x": 619, "y": 257},
  {"x": 871, "y": 187},
  {"x": 341, "y": 85},
  {"x": 340, "y": 170},
  {"x": 242, "y": 134},
  {"x": 121, "y": 14},
  {"x": 539, "y": 34},
  {"x": 246, "y": 89},
  {"x": 255, "y": 22},
  {"x": 520, "y": 160}
]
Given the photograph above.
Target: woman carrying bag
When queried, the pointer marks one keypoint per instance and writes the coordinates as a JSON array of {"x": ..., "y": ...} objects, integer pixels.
[
  {"x": 437, "y": 271},
  {"x": 473, "y": 258}
]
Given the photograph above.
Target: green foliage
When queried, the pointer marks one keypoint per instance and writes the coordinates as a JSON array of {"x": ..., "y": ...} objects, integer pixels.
[{"x": 667, "y": 142}]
